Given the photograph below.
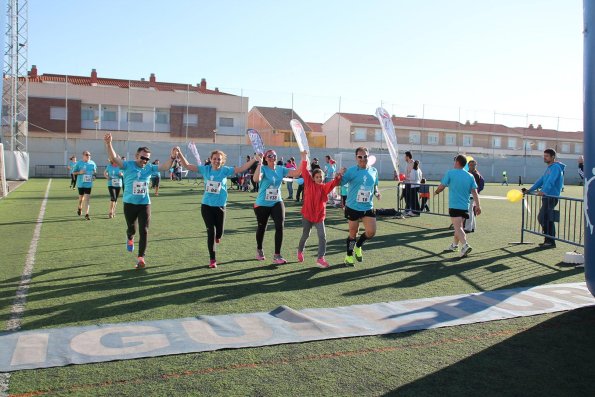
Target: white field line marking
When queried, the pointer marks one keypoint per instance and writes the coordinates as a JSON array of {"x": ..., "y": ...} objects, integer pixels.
[{"x": 18, "y": 305}]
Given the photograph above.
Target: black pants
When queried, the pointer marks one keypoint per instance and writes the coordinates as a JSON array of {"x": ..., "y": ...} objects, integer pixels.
[
  {"x": 277, "y": 212},
  {"x": 214, "y": 218},
  {"x": 300, "y": 192},
  {"x": 72, "y": 181},
  {"x": 142, "y": 214},
  {"x": 546, "y": 217},
  {"x": 411, "y": 194},
  {"x": 114, "y": 193}
]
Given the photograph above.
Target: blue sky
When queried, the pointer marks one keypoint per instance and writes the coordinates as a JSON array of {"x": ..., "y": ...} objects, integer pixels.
[{"x": 455, "y": 59}]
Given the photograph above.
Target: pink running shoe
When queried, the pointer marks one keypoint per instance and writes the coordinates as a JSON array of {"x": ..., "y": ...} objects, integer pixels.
[
  {"x": 130, "y": 245},
  {"x": 213, "y": 264},
  {"x": 300, "y": 255},
  {"x": 140, "y": 263},
  {"x": 260, "y": 255},
  {"x": 279, "y": 260},
  {"x": 321, "y": 262}
]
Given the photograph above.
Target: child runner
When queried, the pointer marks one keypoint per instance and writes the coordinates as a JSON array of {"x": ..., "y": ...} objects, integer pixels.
[
  {"x": 137, "y": 203},
  {"x": 316, "y": 194},
  {"x": 113, "y": 174},
  {"x": 71, "y": 165},
  {"x": 214, "y": 199},
  {"x": 85, "y": 170},
  {"x": 269, "y": 202}
]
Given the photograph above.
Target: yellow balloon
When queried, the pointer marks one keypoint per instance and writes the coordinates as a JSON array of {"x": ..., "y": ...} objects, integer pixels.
[
  {"x": 514, "y": 195},
  {"x": 469, "y": 158}
]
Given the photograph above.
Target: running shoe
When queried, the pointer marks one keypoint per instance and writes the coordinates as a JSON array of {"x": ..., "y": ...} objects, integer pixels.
[
  {"x": 321, "y": 262},
  {"x": 300, "y": 256},
  {"x": 260, "y": 255},
  {"x": 279, "y": 260},
  {"x": 140, "y": 263},
  {"x": 130, "y": 245},
  {"x": 213, "y": 264},
  {"x": 358, "y": 253},
  {"x": 465, "y": 250},
  {"x": 78, "y": 211},
  {"x": 87, "y": 217},
  {"x": 349, "y": 260},
  {"x": 453, "y": 247},
  {"x": 217, "y": 241}
]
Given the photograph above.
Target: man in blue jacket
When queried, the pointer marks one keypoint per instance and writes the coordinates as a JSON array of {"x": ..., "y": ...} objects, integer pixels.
[{"x": 550, "y": 185}]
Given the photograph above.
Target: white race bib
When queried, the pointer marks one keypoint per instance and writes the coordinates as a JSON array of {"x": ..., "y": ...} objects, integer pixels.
[
  {"x": 139, "y": 188},
  {"x": 272, "y": 194},
  {"x": 116, "y": 182},
  {"x": 87, "y": 178},
  {"x": 363, "y": 195},
  {"x": 213, "y": 187}
]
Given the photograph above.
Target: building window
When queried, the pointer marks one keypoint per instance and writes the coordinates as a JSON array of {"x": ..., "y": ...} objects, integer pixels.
[
  {"x": 135, "y": 117},
  {"x": 578, "y": 148},
  {"x": 496, "y": 142},
  {"x": 360, "y": 134},
  {"x": 512, "y": 143},
  {"x": 432, "y": 138},
  {"x": 57, "y": 113},
  {"x": 162, "y": 118},
  {"x": 378, "y": 135},
  {"x": 414, "y": 137},
  {"x": 541, "y": 145},
  {"x": 565, "y": 147},
  {"x": 190, "y": 120},
  {"x": 467, "y": 140},
  {"x": 450, "y": 139},
  {"x": 87, "y": 114},
  {"x": 225, "y": 122}
]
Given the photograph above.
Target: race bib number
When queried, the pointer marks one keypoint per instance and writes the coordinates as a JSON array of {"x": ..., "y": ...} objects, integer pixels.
[
  {"x": 139, "y": 188},
  {"x": 272, "y": 195},
  {"x": 87, "y": 178},
  {"x": 116, "y": 182},
  {"x": 213, "y": 187},
  {"x": 363, "y": 196}
]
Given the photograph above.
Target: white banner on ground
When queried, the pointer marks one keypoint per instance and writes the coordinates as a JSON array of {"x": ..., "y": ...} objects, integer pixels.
[
  {"x": 388, "y": 130},
  {"x": 3, "y": 185},
  {"x": 45, "y": 348},
  {"x": 16, "y": 165}
]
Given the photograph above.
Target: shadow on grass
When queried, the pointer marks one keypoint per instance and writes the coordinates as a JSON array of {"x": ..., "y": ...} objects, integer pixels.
[{"x": 553, "y": 358}]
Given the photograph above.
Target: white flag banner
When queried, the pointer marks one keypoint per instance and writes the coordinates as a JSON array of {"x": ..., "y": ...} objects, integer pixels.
[
  {"x": 256, "y": 141},
  {"x": 388, "y": 130},
  {"x": 194, "y": 152},
  {"x": 300, "y": 135}
]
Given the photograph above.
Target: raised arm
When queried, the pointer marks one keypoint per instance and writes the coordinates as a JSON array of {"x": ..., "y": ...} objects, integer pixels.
[
  {"x": 248, "y": 164},
  {"x": 111, "y": 154},
  {"x": 176, "y": 152},
  {"x": 257, "y": 171}
]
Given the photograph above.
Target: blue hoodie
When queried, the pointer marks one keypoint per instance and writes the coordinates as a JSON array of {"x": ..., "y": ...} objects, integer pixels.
[{"x": 552, "y": 180}]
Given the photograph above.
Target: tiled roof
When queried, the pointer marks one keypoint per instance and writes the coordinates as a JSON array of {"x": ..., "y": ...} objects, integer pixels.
[
  {"x": 315, "y": 127},
  {"x": 279, "y": 118},
  {"x": 411, "y": 122},
  {"x": 159, "y": 86}
]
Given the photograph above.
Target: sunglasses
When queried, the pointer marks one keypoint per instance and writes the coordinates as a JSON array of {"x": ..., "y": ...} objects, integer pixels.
[
  {"x": 145, "y": 158},
  {"x": 365, "y": 156},
  {"x": 86, "y": 154},
  {"x": 271, "y": 156}
]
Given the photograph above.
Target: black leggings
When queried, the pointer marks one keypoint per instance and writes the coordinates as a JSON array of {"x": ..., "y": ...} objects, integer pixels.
[
  {"x": 214, "y": 218},
  {"x": 142, "y": 213},
  {"x": 277, "y": 212},
  {"x": 114, "y": 193},
  {"x": 72, "y": 180}
]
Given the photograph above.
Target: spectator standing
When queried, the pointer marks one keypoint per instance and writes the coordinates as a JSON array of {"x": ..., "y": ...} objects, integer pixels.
[{"x": 550, "y": 185}]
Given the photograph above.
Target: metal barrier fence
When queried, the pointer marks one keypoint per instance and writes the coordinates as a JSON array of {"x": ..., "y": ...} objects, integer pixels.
[
  {"x": 563, "y": 215},
  {"x": 409, "y": 194}
]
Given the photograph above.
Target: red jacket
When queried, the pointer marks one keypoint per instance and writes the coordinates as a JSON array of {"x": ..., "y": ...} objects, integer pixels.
[{"x": 315, "y": 195}]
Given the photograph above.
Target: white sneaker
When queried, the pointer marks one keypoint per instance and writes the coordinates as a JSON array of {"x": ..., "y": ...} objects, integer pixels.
[
  {"x": 453, "y": 247},
  {"x": 465, "y": 250}
]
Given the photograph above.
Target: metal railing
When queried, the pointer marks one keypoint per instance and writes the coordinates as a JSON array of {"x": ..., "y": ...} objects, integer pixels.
[
  {"x": 436, "y": 205},
  {"x": 563, "y": 215}
]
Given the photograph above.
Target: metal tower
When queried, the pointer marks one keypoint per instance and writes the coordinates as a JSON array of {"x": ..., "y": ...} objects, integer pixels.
[{"x": 15, "y": 91}]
